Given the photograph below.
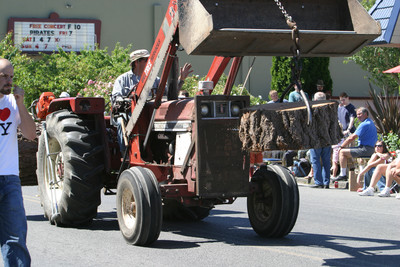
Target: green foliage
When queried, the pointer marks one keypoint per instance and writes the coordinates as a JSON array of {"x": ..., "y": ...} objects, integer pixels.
[
  {"x": 191, "y": 86},
  {"x": 385, "y": 111},
  {"x": 377, "y": 59},
  {"x": 64, "y": 71},
  {"x": 392, "y": 141},
  {"x": 281, "y": 73},
  {"x": 367, "y": 4},
  {"x": 8, "y": 51},
  {"x": 314, "y": 69},
  {"x": 98, "y": 88}
]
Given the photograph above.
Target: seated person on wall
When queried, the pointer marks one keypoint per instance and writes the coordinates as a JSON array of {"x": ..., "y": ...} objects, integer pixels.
[
  {"x": 367, "y": 137},
  {"x": 390, "y": 171},
  {"x": 125, "y": 82},
  {"x": 381, "y": 156},
  {"x": 395, "y": 175}
]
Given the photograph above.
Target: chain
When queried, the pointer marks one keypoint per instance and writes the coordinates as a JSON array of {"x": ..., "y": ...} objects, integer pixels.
[
  {"x": 296, "y": 62},
  {"x": 283, "y": 10},
  {"x": 295, "y": 49}
]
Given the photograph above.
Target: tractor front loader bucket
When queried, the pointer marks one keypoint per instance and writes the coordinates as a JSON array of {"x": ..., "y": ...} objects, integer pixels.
[{"x": 259, "y": 28}]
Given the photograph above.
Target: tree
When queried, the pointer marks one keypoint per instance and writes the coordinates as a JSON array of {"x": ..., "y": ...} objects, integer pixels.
[
  {"x": 377, "y": 59},
  {"x": 313, "y": 69}
]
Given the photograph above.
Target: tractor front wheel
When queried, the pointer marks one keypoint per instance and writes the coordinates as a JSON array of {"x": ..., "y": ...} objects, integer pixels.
[
  {"x": 274, "y": 206},
  {"x": 139, "y": 207}
]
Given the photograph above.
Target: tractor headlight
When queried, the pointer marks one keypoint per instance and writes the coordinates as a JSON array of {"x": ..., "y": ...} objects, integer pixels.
[
  {"x": 204, "y": 110},
  {"x": 235, "y": 110}
]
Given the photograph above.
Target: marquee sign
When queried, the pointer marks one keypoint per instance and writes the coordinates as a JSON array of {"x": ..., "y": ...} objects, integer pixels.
[{"x": 46, "y": 35}]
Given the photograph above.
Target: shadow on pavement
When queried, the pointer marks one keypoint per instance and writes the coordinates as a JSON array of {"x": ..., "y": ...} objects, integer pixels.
[
  {"x": 220, "y": 227},
  {"x": 237, "y": 231},
  {"x": 36, "y": 218},
  {"x": 105, "y": 221}
]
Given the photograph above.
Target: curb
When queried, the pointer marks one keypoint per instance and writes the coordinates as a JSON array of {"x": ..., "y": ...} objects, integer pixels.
[{"x": 341, "y": 184}]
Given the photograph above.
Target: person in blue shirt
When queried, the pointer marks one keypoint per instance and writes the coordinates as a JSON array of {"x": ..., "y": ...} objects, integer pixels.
[
  {"x": 367, "y": 137},
  {"x": 295, "y": 96}
]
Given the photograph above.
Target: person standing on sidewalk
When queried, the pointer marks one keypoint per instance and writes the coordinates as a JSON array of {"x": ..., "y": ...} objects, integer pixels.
[
  {"x": 318, "y": 155},
  {"x": 13, "y": 114},
  {"x": 295, "y": 96},
  {"x": 346, "y": 115}
]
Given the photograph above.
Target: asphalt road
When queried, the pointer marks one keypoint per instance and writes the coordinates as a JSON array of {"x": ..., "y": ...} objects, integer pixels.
[{"x": 335, "y": 227}]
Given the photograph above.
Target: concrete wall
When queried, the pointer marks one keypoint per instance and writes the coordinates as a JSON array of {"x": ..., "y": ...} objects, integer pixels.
[{"x": 137, "y": 22}]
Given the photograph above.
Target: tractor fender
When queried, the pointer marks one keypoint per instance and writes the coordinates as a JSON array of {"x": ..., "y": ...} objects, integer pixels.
[{"x": 78, "y": 105}]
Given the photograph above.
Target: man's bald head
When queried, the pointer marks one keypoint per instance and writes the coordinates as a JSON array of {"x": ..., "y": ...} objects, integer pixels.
[
  {"x": 4, "y": 63},
  {"x": 6, "y": 76}
]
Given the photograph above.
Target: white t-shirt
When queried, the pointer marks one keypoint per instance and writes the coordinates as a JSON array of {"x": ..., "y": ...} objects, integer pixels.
[{"x": 9, "y": 121}]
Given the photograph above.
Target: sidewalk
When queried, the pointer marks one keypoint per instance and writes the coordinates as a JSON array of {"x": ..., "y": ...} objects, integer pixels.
[{"x": 304, "y": 181}]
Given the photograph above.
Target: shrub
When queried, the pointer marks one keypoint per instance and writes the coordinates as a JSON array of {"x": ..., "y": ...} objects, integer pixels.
[
  {"x": 392, "y": 141},
  {"x": 63, "y": 71},
  {"x": 385, "y": 111},
  {"x": 313, "y": 69}
]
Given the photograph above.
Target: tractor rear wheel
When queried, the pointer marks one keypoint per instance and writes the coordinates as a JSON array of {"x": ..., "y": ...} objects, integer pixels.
[
  {"x": 273, "y": 208},
  {"x": 139, "y": 207},
  {"x": 76, "y": 159}
]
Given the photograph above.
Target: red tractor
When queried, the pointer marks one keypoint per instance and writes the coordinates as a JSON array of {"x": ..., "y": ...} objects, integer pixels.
[{"x": 184, "y": 156}]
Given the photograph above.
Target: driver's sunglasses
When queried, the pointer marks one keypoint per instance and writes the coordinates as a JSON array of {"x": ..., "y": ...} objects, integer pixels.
[
  {"x": 143, "y": 59},
  {"x": 378, "y": 145}
]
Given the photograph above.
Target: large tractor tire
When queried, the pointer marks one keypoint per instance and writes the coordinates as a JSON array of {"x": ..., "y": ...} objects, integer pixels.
[
  {"x": 139, "y": 207},
  {"x": 77, "y": 161},
  {"x": 273, "y": 208}
]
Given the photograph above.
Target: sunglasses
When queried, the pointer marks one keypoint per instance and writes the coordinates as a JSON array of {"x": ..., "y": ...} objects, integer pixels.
[
  {"x": 5, "y": 76},
  {"x": 378, "y": 145}
]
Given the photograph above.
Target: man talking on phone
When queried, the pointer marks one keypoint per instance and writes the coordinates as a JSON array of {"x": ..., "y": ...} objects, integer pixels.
[{"x": 13, "y": 115}]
